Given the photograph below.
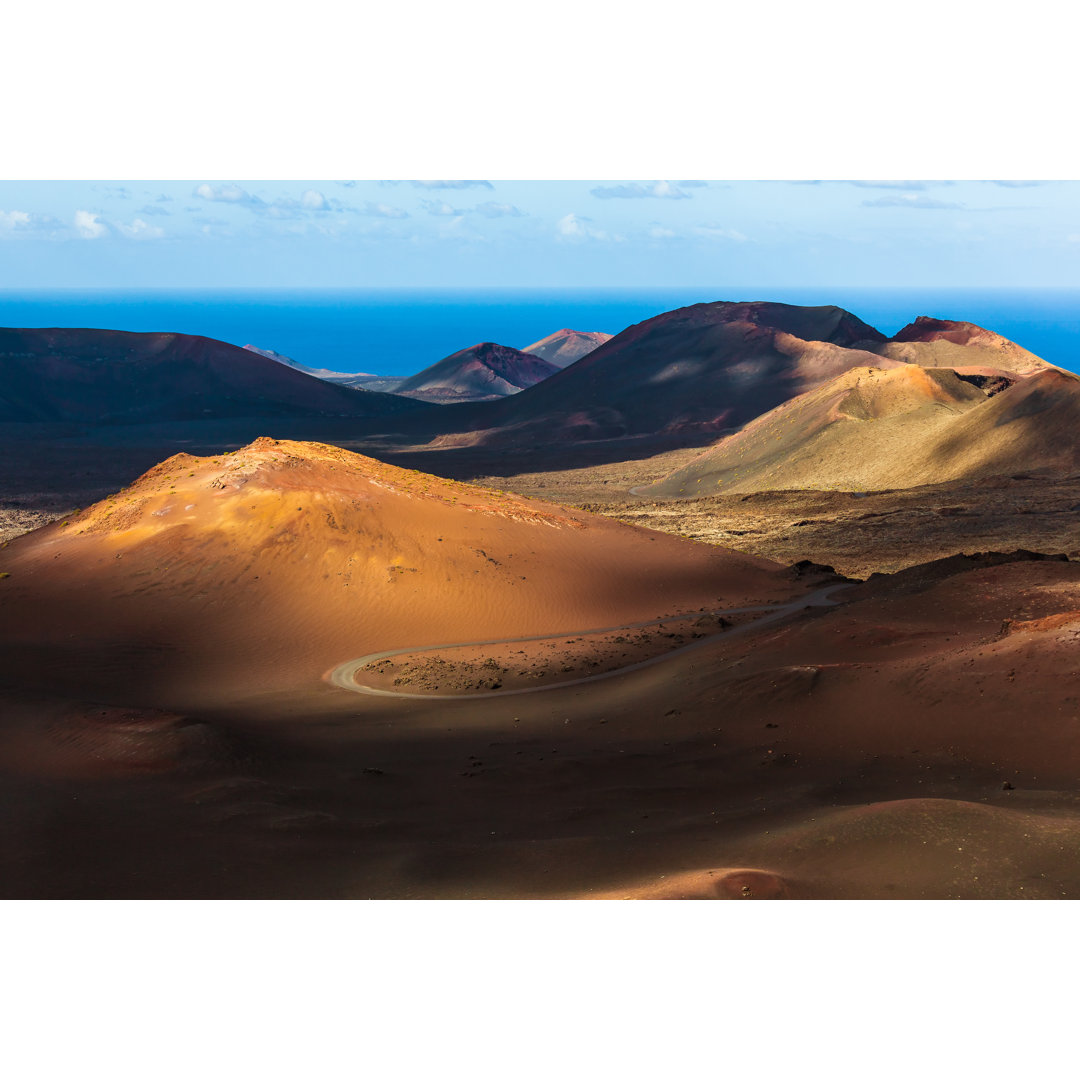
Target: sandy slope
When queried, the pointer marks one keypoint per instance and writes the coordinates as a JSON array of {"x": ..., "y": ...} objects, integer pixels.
[
  {"x": 565, "y": 346},
  {"x": 947, "y": 343},
  {"x": 295, "y": 556},
  {"x": 872, "y": 430},
  {"x": 919, "y": 739}
]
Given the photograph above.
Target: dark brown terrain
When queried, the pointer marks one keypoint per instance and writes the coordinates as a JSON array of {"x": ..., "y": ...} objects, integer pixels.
[
  {"x": 483, "y": 372},
  {"x": 701, "y": 369},
  {"x": 913, "y": 740},
  {"x": 282, "y": 670},
  {"x": 112, "y": 377}
]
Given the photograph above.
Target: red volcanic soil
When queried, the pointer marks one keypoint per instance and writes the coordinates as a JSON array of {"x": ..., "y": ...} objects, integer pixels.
[
  {"x": 862, "y": 429},
  {"x": 703, "y": 368},
  {"x": 870, "y": 429},
  {"x": 482, "y": 372},
  {"x": 946, "y": 343},
  {"x": 917, "y": 740},
  {"x": 115, "y": 377},
  {"x": 943, "y": 700},
  {"x": 264, "y": 568},
  {"x": 565, "y": 346},
  {"x": 709, "y": 369},
  {"x": 925, "y": 328}
]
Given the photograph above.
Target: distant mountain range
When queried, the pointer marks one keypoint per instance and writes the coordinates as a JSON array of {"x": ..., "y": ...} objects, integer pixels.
[
  {"x": 482, "y": 372},
  {"x": 115, "y": 377},
  {"x": 711, "y": 368},
  {"x": 799, "y": 397}
]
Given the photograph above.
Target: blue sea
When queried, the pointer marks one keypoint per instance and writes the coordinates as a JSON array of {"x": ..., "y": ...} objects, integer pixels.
[{"x": 401, "y": 331}]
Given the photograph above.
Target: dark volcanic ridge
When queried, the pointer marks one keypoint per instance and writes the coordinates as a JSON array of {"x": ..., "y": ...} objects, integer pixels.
[
  {"x": 712, "y": 368},
  {"x": 483, "y": 372},
  {"x": 116, "y": 377}
]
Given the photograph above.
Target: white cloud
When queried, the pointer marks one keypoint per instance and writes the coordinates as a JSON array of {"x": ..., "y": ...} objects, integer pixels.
[
  {"x": 494, "y": 210},
  {"x": 230, "y": 193},
  {"x": 314, "y": 200},
  {"x": 439, "y": 207},
  {"x": 894, "y": 185},
  {"x": 88, "y": 225},
  {"x": 372, "y": 209},
  {"x": 658, "y": 232},
  {"x": 454, "y": 185},
  {"x": 574, "y": 227},
  {"x": 913, "y": 202},
  {"x": 661, "y": 189},
  {"x": 14, "y": 219},
  {"x": 139, "y": 230},
  {"x": 571, "y": 225}
]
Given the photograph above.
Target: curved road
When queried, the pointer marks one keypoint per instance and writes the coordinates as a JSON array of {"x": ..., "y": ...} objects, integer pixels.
[{"x": 344, "y": 675}]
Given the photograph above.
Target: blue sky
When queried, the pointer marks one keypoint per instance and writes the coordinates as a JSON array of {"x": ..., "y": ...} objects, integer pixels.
[{"x": 217, "y": 232}]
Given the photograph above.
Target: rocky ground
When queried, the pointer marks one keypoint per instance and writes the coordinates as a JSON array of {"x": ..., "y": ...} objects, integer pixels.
[
  {"x": 521, "y": 665},
  {"x": 860, "y": 534}
]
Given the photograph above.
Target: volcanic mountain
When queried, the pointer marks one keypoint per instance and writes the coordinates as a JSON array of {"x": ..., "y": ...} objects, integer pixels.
[
  {"x": 483, "y": 372},
  {"x": 874, "y": 429},
  {"x": 565, "y": 346},
  {"x": 708, "y": 367},
  {"x": 961, "y": 345},
  {"x": 115, "y": 377},
  {"x": 269, "y": 565}
]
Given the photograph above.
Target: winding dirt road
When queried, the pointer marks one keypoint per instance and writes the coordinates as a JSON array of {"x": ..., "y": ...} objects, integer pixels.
[{"x": 344, "y": 675}]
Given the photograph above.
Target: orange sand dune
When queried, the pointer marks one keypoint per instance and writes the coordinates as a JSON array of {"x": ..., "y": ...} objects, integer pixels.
[{"x": 268, "y": 566}]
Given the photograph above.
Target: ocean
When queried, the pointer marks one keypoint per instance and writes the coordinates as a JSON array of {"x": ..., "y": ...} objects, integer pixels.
[{"x": 401, "y": 331}]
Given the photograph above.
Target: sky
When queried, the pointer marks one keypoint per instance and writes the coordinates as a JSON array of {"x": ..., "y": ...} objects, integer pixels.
[{"x": 479, "y": 233}]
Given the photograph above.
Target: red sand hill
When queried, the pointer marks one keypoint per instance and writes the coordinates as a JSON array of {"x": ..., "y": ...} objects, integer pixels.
[
  {"x": 564, "y": 347},
  {"x": 483, "y": 372},
  {"x": 268, "y": 566},
  {"x": 962, "y": 345},
  {"x": 114, "y": 377}
]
